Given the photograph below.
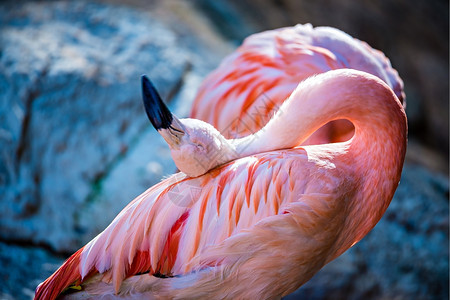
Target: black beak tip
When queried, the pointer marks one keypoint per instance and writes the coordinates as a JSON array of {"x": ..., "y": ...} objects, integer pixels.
[
  {"x": 146, "y": 82},
  {"x": 157, "y": 112}
]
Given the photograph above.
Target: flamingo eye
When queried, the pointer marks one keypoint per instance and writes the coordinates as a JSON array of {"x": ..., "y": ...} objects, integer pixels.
[{"x": 200, "y": 146}]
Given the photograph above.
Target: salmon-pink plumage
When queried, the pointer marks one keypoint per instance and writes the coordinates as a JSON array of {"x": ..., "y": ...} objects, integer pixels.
[
  {"x": 260, "y": 226},
  {"x": 241, "y": 95}
]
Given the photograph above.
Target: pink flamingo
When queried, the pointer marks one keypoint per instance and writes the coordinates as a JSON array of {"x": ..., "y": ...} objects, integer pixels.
[
  {"x": 239, "y": 97},
  {"x": 266, "y": 217}
]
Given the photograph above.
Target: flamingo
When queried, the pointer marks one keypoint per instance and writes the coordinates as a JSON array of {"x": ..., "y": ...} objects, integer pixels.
[
  {"x": 239, "y": 96},
  {"x": 264, "y": 214}
]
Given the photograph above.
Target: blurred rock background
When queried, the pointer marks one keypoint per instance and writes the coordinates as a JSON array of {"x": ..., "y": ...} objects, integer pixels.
[{"x": 75, "y": 145}]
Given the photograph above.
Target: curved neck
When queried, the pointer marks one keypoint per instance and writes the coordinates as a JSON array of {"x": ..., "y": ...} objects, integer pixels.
[
  {"x": 363, "y": 99},
  {"x": 375, "y": 153}
]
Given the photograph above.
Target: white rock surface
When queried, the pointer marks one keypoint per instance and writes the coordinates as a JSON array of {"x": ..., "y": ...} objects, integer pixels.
[
  {"x": 71, "y": 112},
  {"x": 76, "y": 147}
]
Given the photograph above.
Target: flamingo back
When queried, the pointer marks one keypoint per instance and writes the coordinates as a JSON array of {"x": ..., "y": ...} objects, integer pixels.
[{"x": 242, "y": 94}]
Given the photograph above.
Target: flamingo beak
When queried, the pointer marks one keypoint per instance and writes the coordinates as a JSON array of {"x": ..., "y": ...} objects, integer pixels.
[{"x": 168, "y": 125}]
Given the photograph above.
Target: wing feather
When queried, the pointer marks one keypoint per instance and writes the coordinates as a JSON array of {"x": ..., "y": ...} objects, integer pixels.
[{"x": 180, "y": 218}]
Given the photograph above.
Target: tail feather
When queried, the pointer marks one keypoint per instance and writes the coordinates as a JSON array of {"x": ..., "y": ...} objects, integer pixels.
[{"x": 66, "y": 275}]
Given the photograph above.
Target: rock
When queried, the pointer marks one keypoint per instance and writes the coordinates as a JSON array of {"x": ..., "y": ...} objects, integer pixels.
[
  {"x": 75, "y": 144},
  {"x": 23, "y": 268},
  {"x": 71, "y": 109}
]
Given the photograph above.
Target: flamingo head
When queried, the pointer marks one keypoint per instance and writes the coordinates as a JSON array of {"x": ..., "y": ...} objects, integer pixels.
[{"x": 196, "y": 146}]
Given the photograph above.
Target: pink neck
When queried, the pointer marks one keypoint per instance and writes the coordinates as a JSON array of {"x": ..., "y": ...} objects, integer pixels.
[{"x": 377, "y": 150}]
